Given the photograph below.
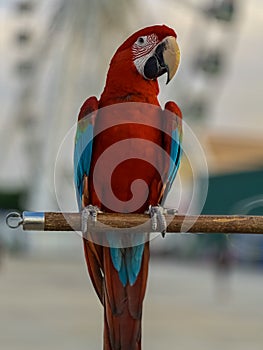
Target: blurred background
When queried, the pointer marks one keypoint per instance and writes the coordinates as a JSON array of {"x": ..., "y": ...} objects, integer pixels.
[{"x": 204, "y": 292}]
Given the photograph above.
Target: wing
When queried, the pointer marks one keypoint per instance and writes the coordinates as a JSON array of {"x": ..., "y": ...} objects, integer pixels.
[
  {"x": 172, "y": 144},
  {"x": 82, "y": 160},
  {"x": 83, "y": 148}
]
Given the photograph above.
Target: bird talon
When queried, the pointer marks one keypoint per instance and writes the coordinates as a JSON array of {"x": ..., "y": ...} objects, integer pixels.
[
  {"x": 157, "y": 214},
  {"x": 89, "y": 213},
  {"x": 157, "y": 217}
]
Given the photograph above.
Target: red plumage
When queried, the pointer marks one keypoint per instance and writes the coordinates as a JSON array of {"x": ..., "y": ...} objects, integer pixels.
[{"x": 123, "y": 302}]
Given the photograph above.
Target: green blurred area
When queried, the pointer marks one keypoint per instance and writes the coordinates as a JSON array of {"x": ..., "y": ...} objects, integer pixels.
[
  {"x": 238, "y": 193},
  {"x": 235, "y": 193},
  {"x": 12, "y": 200}
]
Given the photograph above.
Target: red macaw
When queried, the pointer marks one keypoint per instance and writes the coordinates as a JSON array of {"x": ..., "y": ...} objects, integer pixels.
[{"x": 119, "y": 274}]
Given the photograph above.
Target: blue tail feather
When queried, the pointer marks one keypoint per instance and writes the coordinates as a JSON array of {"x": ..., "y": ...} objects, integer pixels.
[{"x": 127, "y": 261}]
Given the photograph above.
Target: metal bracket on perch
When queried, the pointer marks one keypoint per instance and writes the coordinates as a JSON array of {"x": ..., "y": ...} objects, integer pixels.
[
  {"x": 32, "y": 221},
  {"x": 57, "y": 221}
]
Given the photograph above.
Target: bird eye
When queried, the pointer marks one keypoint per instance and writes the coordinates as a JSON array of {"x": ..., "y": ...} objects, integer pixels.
[{"x": 141, "y": 40}]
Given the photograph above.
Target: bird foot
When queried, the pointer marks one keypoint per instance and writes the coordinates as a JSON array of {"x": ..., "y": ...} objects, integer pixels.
[
  {"x": 157, "y": 214},
  {"x": 89, "y": 213}
]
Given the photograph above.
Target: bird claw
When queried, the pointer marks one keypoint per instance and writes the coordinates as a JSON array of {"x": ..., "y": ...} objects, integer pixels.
[
  {"x": 157, "y": 214},
  {"x": 158, "y": 219},
  {"x": 89, "y": 213}
]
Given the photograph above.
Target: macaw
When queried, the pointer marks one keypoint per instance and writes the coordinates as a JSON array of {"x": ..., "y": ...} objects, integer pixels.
[{"x": 119, "y": 274}]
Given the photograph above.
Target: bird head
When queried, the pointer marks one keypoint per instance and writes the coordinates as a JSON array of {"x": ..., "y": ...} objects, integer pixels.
[
  {"x": 142, "y": 58},
  {"x": 153, "y": 51}
]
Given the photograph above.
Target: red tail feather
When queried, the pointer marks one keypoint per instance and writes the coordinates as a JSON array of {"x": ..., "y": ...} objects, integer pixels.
[{"x": 122, "y": 304}]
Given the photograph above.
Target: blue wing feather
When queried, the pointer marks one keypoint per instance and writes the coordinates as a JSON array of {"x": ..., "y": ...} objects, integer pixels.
[
  {"x": 175, "y": 158},
  {"x": 83, "y": 145},
  {"x": 175, "y": 150},
  {"x": 82, "y": 158}
]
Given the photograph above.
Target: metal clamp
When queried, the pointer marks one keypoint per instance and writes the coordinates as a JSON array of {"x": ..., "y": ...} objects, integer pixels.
[{"x": 31, "y": 221}]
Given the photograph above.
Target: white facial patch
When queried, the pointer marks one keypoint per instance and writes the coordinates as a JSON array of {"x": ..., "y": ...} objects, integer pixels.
[{"x": 142, "y": 49}]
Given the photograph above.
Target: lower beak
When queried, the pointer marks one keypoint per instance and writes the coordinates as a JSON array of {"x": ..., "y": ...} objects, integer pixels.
[{"x": 171, "y": 56}]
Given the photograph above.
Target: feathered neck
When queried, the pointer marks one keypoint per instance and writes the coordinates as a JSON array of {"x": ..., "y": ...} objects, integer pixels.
[{"x": 124, "y": 83}]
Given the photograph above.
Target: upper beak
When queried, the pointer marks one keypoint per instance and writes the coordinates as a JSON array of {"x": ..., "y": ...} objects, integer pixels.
[{"x": 171, "y": 56}]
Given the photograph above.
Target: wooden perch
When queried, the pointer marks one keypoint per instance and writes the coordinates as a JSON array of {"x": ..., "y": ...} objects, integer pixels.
[{"x": 56, "y": 221}]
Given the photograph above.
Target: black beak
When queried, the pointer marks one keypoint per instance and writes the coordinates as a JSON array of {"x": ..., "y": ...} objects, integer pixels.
[
  {"x": 155, "y": 66},
  {"x": 165, "y": 59}
]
